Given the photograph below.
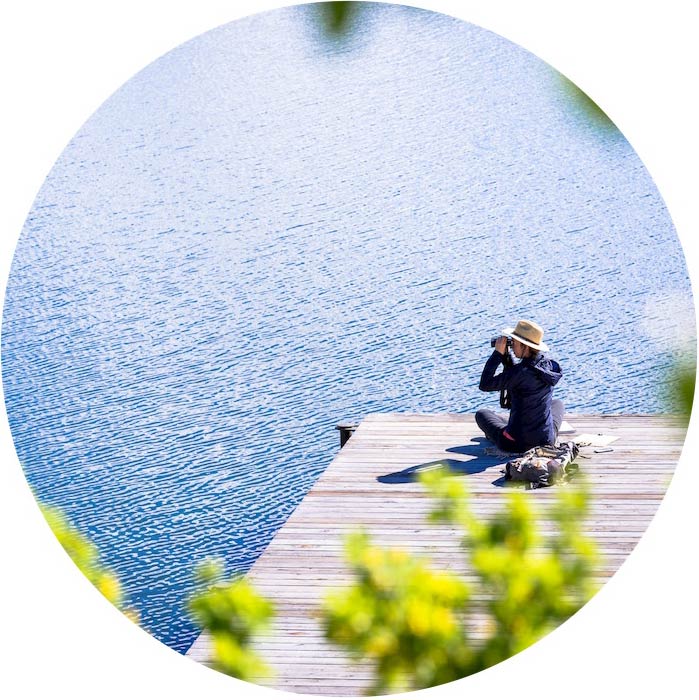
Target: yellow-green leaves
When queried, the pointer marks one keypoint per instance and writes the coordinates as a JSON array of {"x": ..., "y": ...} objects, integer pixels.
[
  {"x": 401, "y": 614},
  {"x": 233, "y": 613},
  {"x": 421, "y": 627},
  {"x": 86, "y": 557},
  {"x": 418, "y": 625}
]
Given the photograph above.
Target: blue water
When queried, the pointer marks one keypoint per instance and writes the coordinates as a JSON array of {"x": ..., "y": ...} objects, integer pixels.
[{"x": 261, "y": 235}]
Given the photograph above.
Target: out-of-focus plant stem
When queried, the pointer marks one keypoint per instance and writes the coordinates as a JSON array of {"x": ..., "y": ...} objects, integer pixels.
[{"x": 336, "y": 17}]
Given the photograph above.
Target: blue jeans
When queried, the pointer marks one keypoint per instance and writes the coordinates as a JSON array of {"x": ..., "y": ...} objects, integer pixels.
[{"x": 492, "y": 424}]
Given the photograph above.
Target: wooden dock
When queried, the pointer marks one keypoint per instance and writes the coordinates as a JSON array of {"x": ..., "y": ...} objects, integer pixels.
[{"x": 370, "y": 484}]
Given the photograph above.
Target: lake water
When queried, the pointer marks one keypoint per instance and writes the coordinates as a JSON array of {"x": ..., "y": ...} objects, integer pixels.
[{"x": 261, "y": 235}]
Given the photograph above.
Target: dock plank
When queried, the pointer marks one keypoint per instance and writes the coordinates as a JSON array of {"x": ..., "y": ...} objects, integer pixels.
[{"x": 305, "y": 559}]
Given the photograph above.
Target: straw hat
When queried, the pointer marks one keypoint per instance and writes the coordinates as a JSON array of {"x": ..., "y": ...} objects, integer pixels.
[{"x": 529, "y": 333}]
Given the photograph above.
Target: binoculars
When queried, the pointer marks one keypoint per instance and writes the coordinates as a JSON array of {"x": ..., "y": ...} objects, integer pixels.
[{"x": 494, "y": 340}]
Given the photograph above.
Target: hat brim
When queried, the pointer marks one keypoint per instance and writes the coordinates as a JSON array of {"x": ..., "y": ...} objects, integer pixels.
[{"x": 511, "y": 333}]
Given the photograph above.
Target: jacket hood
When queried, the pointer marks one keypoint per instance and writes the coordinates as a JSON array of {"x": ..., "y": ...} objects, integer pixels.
[{"x": 547, "y": 369}]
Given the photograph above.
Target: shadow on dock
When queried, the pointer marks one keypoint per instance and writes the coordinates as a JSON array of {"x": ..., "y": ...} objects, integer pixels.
[{"x": 479, "y": 461}]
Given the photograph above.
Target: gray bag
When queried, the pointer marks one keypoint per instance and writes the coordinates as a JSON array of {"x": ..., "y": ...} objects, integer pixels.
[{"x": 544, "y": 465}]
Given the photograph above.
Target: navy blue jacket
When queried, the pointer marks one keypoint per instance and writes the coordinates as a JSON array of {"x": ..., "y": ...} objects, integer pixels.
[{"x": 530, "y": 385}]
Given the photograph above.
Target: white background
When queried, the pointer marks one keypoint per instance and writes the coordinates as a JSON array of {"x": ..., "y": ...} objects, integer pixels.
[{"x": 60, "y": 60}]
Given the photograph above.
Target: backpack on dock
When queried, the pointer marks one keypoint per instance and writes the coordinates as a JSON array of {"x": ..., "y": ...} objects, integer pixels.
[{"x": 544, "y": 465}]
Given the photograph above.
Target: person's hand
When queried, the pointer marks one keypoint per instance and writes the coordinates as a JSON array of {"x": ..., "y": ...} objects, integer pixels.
[{"x": 501, "y": 344}]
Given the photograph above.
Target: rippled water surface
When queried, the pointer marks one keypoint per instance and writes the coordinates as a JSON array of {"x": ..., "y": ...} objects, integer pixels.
[{"x": 261, "y": 235}]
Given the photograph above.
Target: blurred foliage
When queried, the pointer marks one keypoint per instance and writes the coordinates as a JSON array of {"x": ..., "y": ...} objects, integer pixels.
[
  {"x": 400, "y": 614},
  {"x": 415, "y": 623},
  {"x": 86, "y": 557},
  {"x": 683, "y": 380},
  {"x": 592, "y": 112},
  {"x": 336, "y": 18},
  {"x": 337, "y": 22},
  {"x": 232, "y": 613}
]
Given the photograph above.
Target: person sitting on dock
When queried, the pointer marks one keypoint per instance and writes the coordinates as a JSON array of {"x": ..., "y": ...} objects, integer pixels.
[{"x": 526, "y": 388}]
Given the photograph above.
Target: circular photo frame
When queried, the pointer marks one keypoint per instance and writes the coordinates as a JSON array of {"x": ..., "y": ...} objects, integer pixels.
[{"x": 312, "y": 218}]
